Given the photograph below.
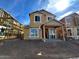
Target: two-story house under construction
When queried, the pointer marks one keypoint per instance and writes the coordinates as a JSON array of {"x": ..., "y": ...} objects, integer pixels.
[
  {"x": 71, "y": 23},
  {"x": 10, "y": 28},
  {"x": 42, "y": 26}
]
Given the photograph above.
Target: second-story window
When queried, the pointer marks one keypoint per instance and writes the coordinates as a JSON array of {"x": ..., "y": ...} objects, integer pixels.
[
  {"x": 37, "y": 18},
  {"x": 49, "y": 18},
  {"x": 77, "y": 20},
  {"x": 1, "y": 13},
  {"x": 69, "y": 21}
]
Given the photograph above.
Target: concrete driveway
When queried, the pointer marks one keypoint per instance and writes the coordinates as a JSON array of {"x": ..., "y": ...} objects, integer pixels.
[{"x": 20, "y": 49}]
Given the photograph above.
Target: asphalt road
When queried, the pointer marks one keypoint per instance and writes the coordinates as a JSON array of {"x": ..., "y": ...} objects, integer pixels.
[{"x": 20, "y": 49}]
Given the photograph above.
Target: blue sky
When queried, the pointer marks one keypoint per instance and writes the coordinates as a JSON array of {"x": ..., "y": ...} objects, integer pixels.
[{"x": 20, "y": 9}]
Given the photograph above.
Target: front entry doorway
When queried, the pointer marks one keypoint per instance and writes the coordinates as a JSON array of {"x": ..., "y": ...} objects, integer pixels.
[{"x": 51, "y": 33}]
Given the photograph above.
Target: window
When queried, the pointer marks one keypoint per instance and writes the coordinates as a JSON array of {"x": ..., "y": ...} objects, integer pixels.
[
  {"x": 52, "y": 31},
  {"x": 34, "y": 32},
  {"x": 1, "y": 31},
  {"x": 1, "y": 20},
  {"x": 14, "y": 22},
  {"x": 77, "y": 31},
  {"x": 37, "y": 18},
  {"x": 6, "y": 23},
  {"x": 77, "y": 20},
  {"x": 1, "y": 13},
  {"x": 49, "y": 18},
  {"x": 69, "y": 32},
  {"x": 69, "y": 21}
]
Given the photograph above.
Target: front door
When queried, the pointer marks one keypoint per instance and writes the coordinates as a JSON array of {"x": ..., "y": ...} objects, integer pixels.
[{"x": 52, "y": 34}]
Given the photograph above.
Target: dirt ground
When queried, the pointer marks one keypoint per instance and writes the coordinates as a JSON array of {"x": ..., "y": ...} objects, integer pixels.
[{"x": 20, "y": 49}]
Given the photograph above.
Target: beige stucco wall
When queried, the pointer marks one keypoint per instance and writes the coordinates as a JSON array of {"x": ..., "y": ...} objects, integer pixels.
[
  {"x": 32, "y": 23},
  {"x": 43, "y": 19},
  {"x": 27, "y": 34}
]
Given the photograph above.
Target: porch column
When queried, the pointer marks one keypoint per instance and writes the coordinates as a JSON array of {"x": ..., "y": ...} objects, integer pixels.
[
  {"x": 44, "y": 32},
  {"x": 63, "y": 33}
]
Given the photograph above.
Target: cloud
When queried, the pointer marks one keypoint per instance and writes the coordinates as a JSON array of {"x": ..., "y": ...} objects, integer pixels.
[
  {"x": 55, "y": 6},
  {"x": 50, "y": 6},
  {"x": 66, "y": 14},
  {"x": 77, "y": 12},
  {"x": 62, "y": 5}
]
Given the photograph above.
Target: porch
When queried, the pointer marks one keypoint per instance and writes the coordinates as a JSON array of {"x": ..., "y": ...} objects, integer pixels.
[{"x": 52, "y": 31}]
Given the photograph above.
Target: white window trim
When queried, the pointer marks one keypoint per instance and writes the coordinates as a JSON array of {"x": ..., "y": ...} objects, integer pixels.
[
  {"x": 67, "y": 21},
  {"x": 53, "y": 33},
  {"x": 1, "y": 13},
  {"x": 34, "y": 18},
  {"x": 71, "y": 32},
  {"x": 77, "y": 31},
  {"x": 51, "y": 17},
  {"x": 34, "y": 36}
]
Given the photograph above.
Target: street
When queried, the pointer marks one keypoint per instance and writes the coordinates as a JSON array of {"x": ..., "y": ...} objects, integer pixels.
[{"x": 20, "y": 49}]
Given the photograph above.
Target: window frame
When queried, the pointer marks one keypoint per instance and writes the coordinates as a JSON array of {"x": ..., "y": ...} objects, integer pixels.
[
  {"x": 33, "y": 33},
  {"x": 1, "y": 13},
  {"x": 77, "y": 32},
  {"x": 48, "y": 19},
  {"x": 68, "y": 20},
  {"x": 68, "y": 32},
  {"x": 37, "y": 21},
  {"x": 51, "y": 17}
]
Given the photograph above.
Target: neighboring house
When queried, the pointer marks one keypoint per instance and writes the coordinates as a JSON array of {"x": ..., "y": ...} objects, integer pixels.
[
  {"x": 71, "y": 23},
  {"x": 42, "y": 26},
  {"x": 9, "y": 27}
]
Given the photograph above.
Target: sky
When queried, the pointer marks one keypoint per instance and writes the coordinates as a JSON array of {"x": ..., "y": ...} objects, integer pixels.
[{"x": 20, "y": 9}]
